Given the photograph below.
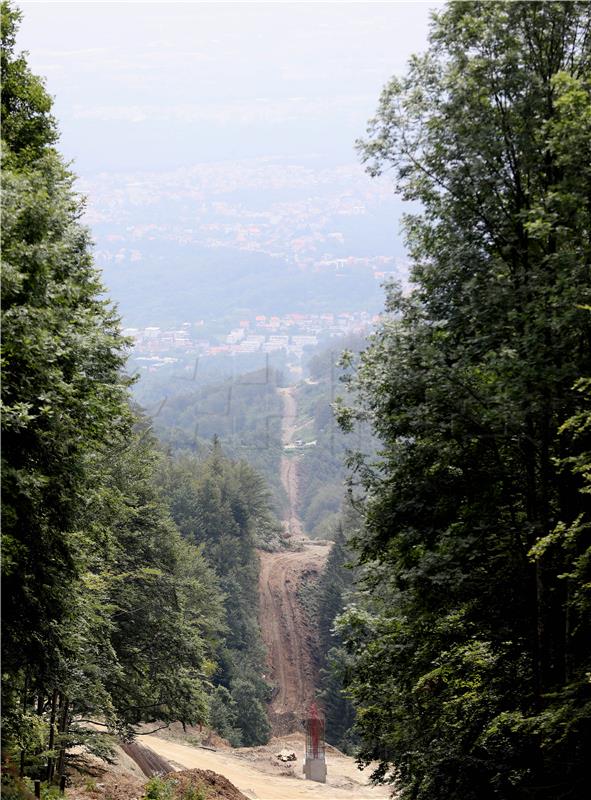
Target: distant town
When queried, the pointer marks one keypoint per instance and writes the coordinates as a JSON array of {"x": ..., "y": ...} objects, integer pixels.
[
  {"x": 292, "y": 334},
  {"x": 298, "y": 213}
]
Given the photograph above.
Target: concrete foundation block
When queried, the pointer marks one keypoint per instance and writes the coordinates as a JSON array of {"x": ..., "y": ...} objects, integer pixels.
[{"x": 315, "y": 769}]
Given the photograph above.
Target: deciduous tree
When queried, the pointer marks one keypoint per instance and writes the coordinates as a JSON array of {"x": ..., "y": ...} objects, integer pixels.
[{"x": 472, "y": 652}]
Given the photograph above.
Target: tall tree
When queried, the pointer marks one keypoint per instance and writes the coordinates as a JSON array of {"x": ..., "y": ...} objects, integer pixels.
[
  {"x": 63, "y": 394},
  {"x": 472, "y": 652},
  {"x": 223, "y": 506},
  {"x": 107, "y": 612},
  {"x": 157, "y": 599},
  {"x": 333, "y": 592}
]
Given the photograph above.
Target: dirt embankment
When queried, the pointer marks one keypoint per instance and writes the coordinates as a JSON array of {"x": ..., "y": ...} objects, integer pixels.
[
  {"x": 287, "y": 632},
  {"x": 147, "y": 760},
  {"x": 123, "y": 779},
  {"x": 189, "y": 782},
  {"x": 259, "y": 775}
]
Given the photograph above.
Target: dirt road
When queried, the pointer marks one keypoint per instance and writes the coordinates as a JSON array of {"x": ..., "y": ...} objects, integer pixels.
[
  {"x": 290, "y": 639},
  {"x": 289, "y": 463},
  {"x": 287, "y": 633},
  {"x": 260, "y": 777}
]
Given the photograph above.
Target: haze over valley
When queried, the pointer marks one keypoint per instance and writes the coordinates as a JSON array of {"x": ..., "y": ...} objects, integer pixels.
[
  {"x": 238, "y": 193},
  {"x": 296, "y": 395}
]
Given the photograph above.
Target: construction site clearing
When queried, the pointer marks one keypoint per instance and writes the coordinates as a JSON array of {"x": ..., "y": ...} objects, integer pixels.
[
  {"x": 221, "y": 772},
  {"x": 195, "y": 761}
]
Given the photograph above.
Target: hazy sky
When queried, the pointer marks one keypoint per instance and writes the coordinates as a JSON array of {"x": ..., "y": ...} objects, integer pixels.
[{"x": 150, "y": 86}]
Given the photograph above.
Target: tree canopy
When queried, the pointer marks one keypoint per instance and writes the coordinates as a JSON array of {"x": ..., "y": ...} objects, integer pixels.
[
  {"x": 223, "y": 506},
  {"x": 471, "y": 643},
  {"x": 109, "y": 615}
]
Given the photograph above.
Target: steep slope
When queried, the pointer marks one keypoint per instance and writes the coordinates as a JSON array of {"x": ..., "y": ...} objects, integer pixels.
[
  {"x": 287, "y": 633},
  {"x": 289, "y": 463}
]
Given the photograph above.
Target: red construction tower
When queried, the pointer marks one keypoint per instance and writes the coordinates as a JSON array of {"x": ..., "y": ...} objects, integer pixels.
[{"x": 314, "y": 760}]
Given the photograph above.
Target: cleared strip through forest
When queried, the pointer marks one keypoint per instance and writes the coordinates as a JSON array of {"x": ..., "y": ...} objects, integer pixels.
[{"x": 288, "y": 634}]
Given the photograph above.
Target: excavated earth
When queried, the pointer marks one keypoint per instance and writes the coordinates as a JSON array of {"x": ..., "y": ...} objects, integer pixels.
[
  {"x": 261, "y": 775},
  {"x": 212, "y": 785},
  {"x": 257, "y": 773},
  {"x": 288, "y": 633},
  {"x": 223, "y": 773},
  {"x": 126, "y": 778}
]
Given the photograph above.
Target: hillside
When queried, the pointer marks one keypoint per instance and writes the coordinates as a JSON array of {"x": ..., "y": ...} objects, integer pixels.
[
  {"x": 254, "y": 414},
  {"x": 288, "y": 632},
  {"x": 227, "y": 284}
]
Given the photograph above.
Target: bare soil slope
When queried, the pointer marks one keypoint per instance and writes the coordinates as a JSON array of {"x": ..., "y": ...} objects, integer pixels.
[
  {"x": 123, "y": 779},
  {"x": 189, "y": 782},
  {"x": 260, "y": 776},
  {"x": 287, "y": 633},
  {"x": 289, "y": 463}
]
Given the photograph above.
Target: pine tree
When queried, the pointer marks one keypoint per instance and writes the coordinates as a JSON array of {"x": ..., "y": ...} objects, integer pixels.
[{"x": 223, "y": 506}]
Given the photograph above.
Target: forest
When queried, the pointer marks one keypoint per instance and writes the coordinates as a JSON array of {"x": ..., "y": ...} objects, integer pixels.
[
  {"x": 454, "y": 611},
  {"x": 468, "y": 645},
  {"x": 115, "y": 556}
]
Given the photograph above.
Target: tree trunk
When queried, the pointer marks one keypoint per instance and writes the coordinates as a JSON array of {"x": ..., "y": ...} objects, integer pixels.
[
  {"x": 51, "y": 760},
  {"x": 63, "y": 727}
]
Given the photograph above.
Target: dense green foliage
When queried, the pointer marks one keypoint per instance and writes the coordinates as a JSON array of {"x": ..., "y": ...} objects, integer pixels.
[
  {"x": 162, "y": 596},
  {"x": 62, "y": 394},
  {"x": 224, "y": 506},
  {"x": 334, "y": 591},
  {"x": 244, "y": 413},
  {"x": 109, "y": 614},
  {"x": 471, "y": 648}
]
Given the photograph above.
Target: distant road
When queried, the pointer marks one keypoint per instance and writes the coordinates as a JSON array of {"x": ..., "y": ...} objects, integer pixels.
[{"x": 289, "y": 466}]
